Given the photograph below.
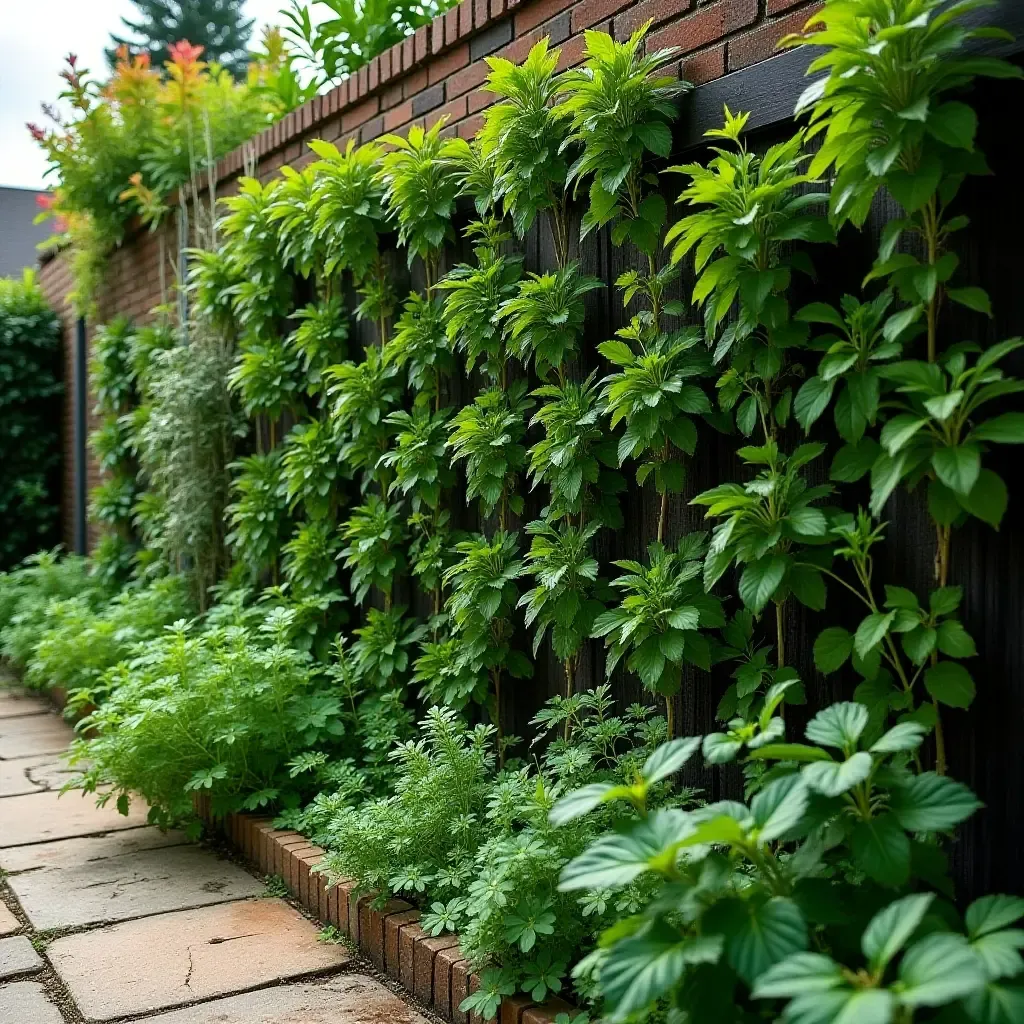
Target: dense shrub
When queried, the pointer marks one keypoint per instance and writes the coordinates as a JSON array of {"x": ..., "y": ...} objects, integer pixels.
[{"x": 30, "y": 420}]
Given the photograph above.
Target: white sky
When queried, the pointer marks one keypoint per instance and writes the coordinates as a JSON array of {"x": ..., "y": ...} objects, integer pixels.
[{"x": 35, "y": 36}]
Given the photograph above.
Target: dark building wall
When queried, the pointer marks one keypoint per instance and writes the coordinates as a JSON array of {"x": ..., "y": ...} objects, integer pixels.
[{"x": 18, "y": 235}]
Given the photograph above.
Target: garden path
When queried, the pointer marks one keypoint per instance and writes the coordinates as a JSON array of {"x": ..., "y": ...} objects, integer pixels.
[{"x": 104, "y": 918}]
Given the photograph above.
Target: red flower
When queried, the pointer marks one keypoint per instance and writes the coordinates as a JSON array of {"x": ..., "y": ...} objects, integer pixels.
[
  {"x": 184, "y": 53},
  {"x": 37, "y": 133},
  {"x": 45, "y": 200},
  {"x": 72, "y": 59}
]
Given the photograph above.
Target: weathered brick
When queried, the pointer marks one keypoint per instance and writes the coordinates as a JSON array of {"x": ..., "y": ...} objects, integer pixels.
[
  {"x": 589, "y": 12},
  {"x": 392, "y": 930},
  {"x": 360, "y": 113},
  {"x": 437, "y": 34},
  {"x": 461, "y": 974},
  {"x": 467, "y": 129},
  {"x": 414, "y": 84},
  {"x": 655, "y": 11},
  {"x": 480, "y": 98},
  {"x": 373, "y": 74},
  {"x": 407, "y": 939},
  {"x": 705, "y": 66},
  {"x": 547, "y": 1011},
  {"x": 355, "y": 913},
  {"x": 497, "y": 8},
  {"x": 493, "y": 38},
  {"x": 451, "y": 26},
  {"x": 466, "y": 79},
  {"x": 372, "y": 129},
  {"x": 760, "y": 44},
  {"x": 408, "y": 55},
  {"x": 481, "y": 12},
  {"x": 708, "y": 25},
  {"x": 423, "y": 964},
  {"x": 454, "y": 112},
  {"x": 512, "y": 1008},
  {"x": 536, "y": 13},
  {"x": 421, "y": 43},
  {"x": 398, "y": 116},
  {"x": 385, "y": 65},
  {"x": 572, "y": 52},
  {"x": 391, "y": 96},
  {"x": 441, "y": 68},
  {"x": 372, "y": 928},
  {"x": 428, "y": 99},
  {"x": 345, "y": 889},
  {"x": 443, "y": 963},
  {"x": 465, "y": 10},
  {"x": 295, "y": 865}
]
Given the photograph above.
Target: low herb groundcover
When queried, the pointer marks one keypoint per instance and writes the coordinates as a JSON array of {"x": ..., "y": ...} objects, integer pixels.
[{"x": 574, "y": 863}]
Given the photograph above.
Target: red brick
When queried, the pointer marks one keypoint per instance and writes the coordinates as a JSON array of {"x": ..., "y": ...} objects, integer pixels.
[
  {"x": 443, "y": 963},
  {"x": 415, "y": 84},
  {"x": 373, "y": 926},
  {"x": 385, "y": 65},
  {"x": 468, "y": 128},
  {"x": 705, "y": 66},
  {"x": 706, "y": 26},
  {"x": 461, "y": 975},
  {"x": 391, "y": 96},
  {"x": 448, "y": 64},
  {"x": 778, "y": 6},
  {"x": 497, "y": 8},
  {"x": 465, "y": 18},
  {"x": 589, "y": 12},
  {"x": 548, "y": 1011},
  {"x": 655, "y": 11},
  {"x": 481, "y": 12},
  {"x": 454, "y": 111},
  {"x": 408, "y": 937},
  {"x": 373, "y": 74},
  {"x": 451, "y": 26},
  {"x": 408, "y": 54},
  {"x": 308, "y": 895},
  {"x": 357, "y": 115},
  {"x": 437, "y": 34},
  {"x": 398, "y": 116},
  {"x": 355, "y": 913},
  {"x": 512, "y": 1008},
  {"x": 572, "y": 51},
  {"x": 295, "y": 865},
  {"x": 392, "y": 949},
  {"x": 466, "y": 79},
  {"x": 323, "y": 898},
  {"x": 423, "y": 964},
  {"x": 760, "y": 44},
  {"x": 281, "y": 844},
  {"x": 479, "y": 99},
  {"x": 421, "y": 43},
  {"x": 536, "y": 13}
]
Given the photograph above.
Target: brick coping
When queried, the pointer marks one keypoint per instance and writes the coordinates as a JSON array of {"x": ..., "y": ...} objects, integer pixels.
[{"x": 433, "y": 968}]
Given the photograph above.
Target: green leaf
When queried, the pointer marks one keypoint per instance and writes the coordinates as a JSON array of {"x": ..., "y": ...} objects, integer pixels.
[
  {"x": 1000, "y": 953},
  {"x": 667, "y": 759},
  {"x": 871, "y": 632},
  {"x": 996, "y": 1004},
  {"x": 901, "y": 737},
  {"x": 973, "y": 298},
  {"x": 852, "y": 461},
  {"x": 932, "y": 803},
  {"x": 832, "y": 648},
  {"x": 831, "y": 778},
  {"x": 812, "y": 400},
  {"x": 990, "y": 913},
  {"x": 808, "y": 586},
  {"x": 988, "y": 498},
  {"x": 881, "y": 850},
  {"x": 759, "y": 936},
  {"x": 1005, "y": 429},
  {"x": 789, "y": 752},
  {"x": 890, "y": 929},
  {"x": 950, "y": 684},
  {"x": 778, "y": 808},
  {"x": 957, "y": 466},
  {"x": 579, "y": 802},
  {"x": 953, "y": 123},
  {"x": 945, "y": 600},
  {"x": 798, "y": 975},
  {"x": 760, "y": 580},
  {"x": 616, "y": 859},
  {"x": 642, "y": 968},
  {"x": 838, "y": 725},
  {"x": 954, "y": 641},
  {"x": 938, "y": 969}
]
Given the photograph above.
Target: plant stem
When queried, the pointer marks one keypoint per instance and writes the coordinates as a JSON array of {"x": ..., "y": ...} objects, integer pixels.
[
  {"x": 661, "y": 516},
  {"x": 780, "y": 633},
  {"x": 670, "y": 716}
]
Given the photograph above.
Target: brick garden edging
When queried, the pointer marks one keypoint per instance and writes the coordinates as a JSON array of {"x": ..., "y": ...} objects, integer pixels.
[{"x": 432, "y": 968}]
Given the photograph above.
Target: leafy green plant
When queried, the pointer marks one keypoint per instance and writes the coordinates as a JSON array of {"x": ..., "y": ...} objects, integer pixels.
[
  {"x": 311, "y": 558},
  {"x": 310, "y": 468},
  {"x": 420, "y": 345},
  {"x": 545, "y": 319},
  {"x": 320, "y": 339},
  {"x": 657, "y": 624},
  {"x": 375, "y": 534},
  {"x": 487, "y": 434},
  {"x": 258, "y": 516}
]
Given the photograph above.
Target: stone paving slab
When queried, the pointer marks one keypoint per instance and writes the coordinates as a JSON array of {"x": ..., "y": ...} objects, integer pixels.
[
  {"x": 67, "y": 853},
  {"x": 14, "y": 777},
  {"x": 53, "y": 771},
  {"x": 9, "y": 924},
  {"x": 18, "y": 957},
  {"x": 40, "y": 817},
  {"x": 25, "y": 1002},
  {"x": 130, "y": 886},
  {"x": 34, "y": 734},
  {"x": 350, "y": 999},
  {"x": 16, "y": 705},
  {"x": 172, "y": 960}
]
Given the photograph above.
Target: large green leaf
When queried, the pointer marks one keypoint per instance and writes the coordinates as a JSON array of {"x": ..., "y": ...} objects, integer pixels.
[
  {"x": 938, "y": 969},
  {"x": 957, "y": 466},
  {"x": 890, "y": 929},
  {"x": 871, "y": 632},
  {"x": 778, "y": 808},
  {"x": 644, "y": 967},
  {"x": 797, "y": 975},
  {"x": 667, "y": 759},
  {"x": 579, "y": 802},
  {"x": 832, "y": 778},
  {"x": 760, "y": 580},
  {"x": 881, "y": 850},
  {"x": 1000, "y": 953},
  {"x": 618, "y": 858},
  {"x": 950, "y": 684},
  {"x": 990, "y": 913},
  {"x": 838, "y": 725},
  {"x": 832, "y": 648},
  {"x": 758, "y": 935},
  {"x": 932, "y": 803},
  {"x": 996, "y": 1004}
]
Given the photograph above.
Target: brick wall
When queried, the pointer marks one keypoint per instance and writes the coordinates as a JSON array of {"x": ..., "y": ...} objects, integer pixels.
[{"x": 438, "y": 72}]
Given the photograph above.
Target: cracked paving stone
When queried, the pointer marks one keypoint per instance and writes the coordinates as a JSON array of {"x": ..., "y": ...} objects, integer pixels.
[
  {"x": 18, "y": 957},
  {"x": 40, "y": 817},
  {"x": 351, "y": 999},
  {"x": 9, "y": 924},
  {"x": 133, "y": 885},
  {"x": 16, "y": 705},
  {"x": 68, "y": 853},
  {"x": 53, "y": 772},
  {"x": 34, "y": 734},
  {"x": 25, "y": 1002},
  {"x": 171, "y": 960},
  {"x": 14, "y": 777}
]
